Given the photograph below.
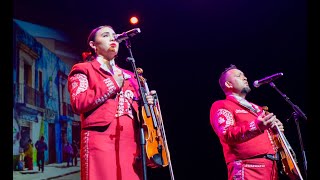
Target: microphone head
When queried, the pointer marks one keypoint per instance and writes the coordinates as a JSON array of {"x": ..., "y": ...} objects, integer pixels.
[
  {"x": 266, "y": 80},
  {"x": 125, "y": 35},
  {"x": 256, "y": 84},
  {"x": 138, "y": 30},
  {"x": 133, "y": 32}
]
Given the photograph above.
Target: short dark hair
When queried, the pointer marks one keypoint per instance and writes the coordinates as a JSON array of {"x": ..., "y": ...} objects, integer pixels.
[{"x": 222, "y": 75}]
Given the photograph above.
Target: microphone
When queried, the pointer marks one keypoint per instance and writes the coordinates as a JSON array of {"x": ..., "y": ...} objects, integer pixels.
[
  {"x": 125, "y": 35},
  {"x": 266, "y": 80}
]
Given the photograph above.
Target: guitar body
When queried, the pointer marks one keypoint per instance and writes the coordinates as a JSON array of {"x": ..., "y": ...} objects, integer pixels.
[{"x": 288, "y": 158}]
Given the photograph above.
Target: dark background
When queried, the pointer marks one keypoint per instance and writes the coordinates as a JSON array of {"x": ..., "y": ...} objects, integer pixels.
[{"x": 183, "y": 48}]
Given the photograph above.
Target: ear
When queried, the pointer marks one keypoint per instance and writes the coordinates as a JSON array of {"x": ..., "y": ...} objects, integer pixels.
[
  {"x": 228, "y": 84},
  {"x": 92, "y": 45}
]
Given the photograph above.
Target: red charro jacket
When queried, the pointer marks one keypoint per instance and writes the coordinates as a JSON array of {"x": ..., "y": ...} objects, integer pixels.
[
  {"x": 94, "y": 93},
  {"x": 238, "y": 132}
]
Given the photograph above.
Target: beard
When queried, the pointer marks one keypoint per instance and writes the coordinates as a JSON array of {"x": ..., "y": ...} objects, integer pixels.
[{"x": 245, "y": 90}]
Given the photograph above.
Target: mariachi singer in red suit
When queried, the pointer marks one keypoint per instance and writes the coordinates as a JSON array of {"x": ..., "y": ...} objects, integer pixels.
[
  {"x": 245, "y": 130},
  {"x": 106, "y": 97}
]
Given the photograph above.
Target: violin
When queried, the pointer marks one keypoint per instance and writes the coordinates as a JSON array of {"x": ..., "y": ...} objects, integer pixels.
[
  {"x": 288, "y": 157},
  {"x": 157, "y": 150}
]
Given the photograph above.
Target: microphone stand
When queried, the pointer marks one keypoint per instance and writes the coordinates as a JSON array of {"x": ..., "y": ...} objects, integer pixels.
[
  {"x": 296, "y": 114},
  {"x": 145, "y": 104}
]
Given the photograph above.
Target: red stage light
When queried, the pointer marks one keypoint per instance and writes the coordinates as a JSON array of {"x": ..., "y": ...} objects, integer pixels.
[{"x": 134, "y": 20}]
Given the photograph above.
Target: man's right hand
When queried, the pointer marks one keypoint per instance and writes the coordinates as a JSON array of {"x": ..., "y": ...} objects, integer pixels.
[{"x": 268, "y": 120}]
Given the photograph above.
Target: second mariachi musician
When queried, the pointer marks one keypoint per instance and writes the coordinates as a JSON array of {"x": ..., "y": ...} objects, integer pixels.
[{"x": 105, "y": 97}]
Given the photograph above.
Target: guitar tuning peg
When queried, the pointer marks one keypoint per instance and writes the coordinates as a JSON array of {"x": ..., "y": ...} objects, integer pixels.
[{"x": 153, "y": 92}]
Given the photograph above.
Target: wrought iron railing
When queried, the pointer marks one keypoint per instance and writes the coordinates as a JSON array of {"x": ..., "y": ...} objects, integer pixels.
[{"x": 29, "y": 95}]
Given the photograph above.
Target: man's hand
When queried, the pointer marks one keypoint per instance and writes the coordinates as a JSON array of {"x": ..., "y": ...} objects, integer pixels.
[{"x": 269, "y": 120}]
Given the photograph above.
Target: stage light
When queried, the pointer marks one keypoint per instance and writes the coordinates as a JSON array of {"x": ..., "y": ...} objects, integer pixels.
[{"x": 134, "y": 20}]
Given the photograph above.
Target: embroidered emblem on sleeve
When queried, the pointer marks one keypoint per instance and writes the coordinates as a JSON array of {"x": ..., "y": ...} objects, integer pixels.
[
  {"x": 80, "y": 82},
  {"x": 225, "y": 119}
]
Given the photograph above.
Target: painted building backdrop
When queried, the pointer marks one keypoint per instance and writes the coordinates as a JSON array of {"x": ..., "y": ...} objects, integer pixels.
[{"x": 42, "y": 59}]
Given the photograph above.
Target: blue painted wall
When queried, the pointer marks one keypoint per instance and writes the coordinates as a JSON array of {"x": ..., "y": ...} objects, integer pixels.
[{"x": 50, "y": 65}]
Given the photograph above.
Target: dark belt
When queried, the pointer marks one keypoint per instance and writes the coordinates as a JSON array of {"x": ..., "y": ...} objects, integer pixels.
[{"x": 273, "y": 157}]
